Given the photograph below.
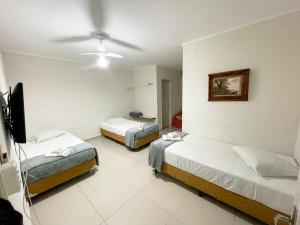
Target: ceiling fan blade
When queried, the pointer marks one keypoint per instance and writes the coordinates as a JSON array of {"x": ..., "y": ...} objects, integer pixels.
[
  {"x": 72, "y": 39},
  {"x": 96, "y": 14},
  {"x": 90, "y": 67},
  {"x": 125, "y": 44},
  {"x": 90, "y": 53},
  {"x": 114, "y": 55}
]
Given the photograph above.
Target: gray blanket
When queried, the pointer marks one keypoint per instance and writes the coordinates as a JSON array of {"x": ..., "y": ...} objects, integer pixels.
[
  {"x": 157, "y": 152},
  {"x": 40, "y": 167},
  {"x": 137, "y": 133}
]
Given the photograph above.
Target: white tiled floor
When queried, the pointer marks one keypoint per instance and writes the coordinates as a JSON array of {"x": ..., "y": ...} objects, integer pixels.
[{"x": 124, "y": 191}]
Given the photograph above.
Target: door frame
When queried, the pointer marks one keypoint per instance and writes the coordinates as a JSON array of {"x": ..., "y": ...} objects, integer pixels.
[{"x": 169, "y": 82}]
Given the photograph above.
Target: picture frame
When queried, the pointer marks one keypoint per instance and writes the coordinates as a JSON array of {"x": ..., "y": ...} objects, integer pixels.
[{"x": 229, "y": 86}]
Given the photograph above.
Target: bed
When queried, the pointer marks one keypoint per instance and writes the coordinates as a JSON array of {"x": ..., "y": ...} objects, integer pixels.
[
  {"x": 134, "y": 134},
  {"x": 214, "y": 168},
  {"x": 45, "y": 172}
]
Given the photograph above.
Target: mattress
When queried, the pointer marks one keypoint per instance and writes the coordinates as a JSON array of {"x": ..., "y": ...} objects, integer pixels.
[
  {"x": 40, "y": 167},
  {"x": 37, "y": 166},
  {"x": 217, "y": 163},
  {"x": 36, "y": 149},
  {"x": 120, "y": 125}
]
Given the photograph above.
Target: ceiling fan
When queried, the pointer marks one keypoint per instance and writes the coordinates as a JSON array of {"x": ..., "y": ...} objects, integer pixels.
[
  {"x": 97, "y": 20},
  {"x": 102, "y": 53}
]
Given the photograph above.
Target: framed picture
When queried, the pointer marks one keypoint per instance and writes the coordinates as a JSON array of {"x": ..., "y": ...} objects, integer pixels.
[{"x": 229, "y": 86}]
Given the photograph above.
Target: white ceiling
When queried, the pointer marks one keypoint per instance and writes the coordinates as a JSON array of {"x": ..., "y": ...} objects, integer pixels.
[{"x": 156, "y": 28}]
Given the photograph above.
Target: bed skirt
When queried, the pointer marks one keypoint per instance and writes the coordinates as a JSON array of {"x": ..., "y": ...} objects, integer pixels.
[
  {"x": 248, "y": 206},
  {"x": 47, "y": 183},
  {"x": 137, "y": 144}
]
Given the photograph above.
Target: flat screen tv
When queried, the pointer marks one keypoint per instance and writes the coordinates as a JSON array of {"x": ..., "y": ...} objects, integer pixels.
[{"x": 16, "y": 114}]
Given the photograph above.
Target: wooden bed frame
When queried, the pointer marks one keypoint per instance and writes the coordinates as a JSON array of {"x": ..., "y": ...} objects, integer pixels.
[
  {"x": 248, "y": 206},
  {"x": 47, "y": 183},
  {"x": 138, "y": 143}
]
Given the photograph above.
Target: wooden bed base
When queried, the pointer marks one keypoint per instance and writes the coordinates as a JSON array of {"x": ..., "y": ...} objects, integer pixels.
[
  {"x": 47, "y": 183},
  {"x": 138, "y": 143},
  {"x": 248, "y": 206}
]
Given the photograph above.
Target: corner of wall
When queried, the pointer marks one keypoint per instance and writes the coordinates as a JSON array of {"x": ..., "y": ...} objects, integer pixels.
[
  {"x": 176, "y": 78},
  {"x": 3, "y": 82},
  {"x": 145, "y": 97},
  {"x": 3, "y": 88}
]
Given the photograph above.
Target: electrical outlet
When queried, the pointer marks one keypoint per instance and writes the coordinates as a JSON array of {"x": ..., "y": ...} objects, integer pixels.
[{"x": 4, "y": 157}]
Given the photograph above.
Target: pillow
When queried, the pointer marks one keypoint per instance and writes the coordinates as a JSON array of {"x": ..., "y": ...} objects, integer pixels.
[
  {"x": 46, "y": 135},
  {"x": 268, "y": 164},
  {"x": 115, "y": 120}
]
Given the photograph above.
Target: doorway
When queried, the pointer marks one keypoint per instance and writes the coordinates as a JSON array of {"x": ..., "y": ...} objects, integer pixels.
[{"x": 166, "y": 103}]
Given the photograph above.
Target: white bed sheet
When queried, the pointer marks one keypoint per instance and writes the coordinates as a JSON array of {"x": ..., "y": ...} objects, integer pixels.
[
  {"x": 216, "y": 162},
  {"x": 119, "y": 125},
  {"x": 36, "y": 149}
]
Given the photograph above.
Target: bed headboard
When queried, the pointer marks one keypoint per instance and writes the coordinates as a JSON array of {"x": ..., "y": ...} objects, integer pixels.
[{"x": 297, "y": 147}]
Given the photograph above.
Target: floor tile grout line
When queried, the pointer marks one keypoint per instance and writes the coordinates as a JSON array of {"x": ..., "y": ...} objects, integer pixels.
[
  {"x": 155, "y": 203},
  {"x": 112, "y": 169},
  {"x": 234, "y": 219},
  {"x": 123, "y": 157},
  {"x": 138, "y": 192},
  {"x": 138, "y": 163},
  {"x": 35, "y": 214},
  {"x": 120, "y": 173},
  {"x": 141, "y": 192},
  {"x": 130, "y": 184},
  {"x": 179, "y": 205},
  {"x": 91, "y": 203},
  {"x": 117, "y": 208},
  {"x": 121, "y": 206},
  {"x": 117, "y": 174},
  {"x": 143, "y": 188},
  {"x": 120, "y": 154},
  {"x": 124, "y": 154}
]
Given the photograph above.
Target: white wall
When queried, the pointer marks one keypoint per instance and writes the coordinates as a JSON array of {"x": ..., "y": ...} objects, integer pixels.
[
  {"x": 176, "y": 91},
  {"x": 271, "y": 49},
  {"x": 68, "y": 96},
  {"x": 17, "y": 198},
  {"x": 3, "y": 88},
  {"x": 145, "y": 97},
  {"x": 148, "y": 99},
  {"x": 297, "y": 149},
  {"x": 3, "y": 83}
]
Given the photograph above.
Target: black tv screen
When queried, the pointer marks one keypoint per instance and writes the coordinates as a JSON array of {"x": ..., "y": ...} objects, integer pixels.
[{"x": 17, "y": 114}]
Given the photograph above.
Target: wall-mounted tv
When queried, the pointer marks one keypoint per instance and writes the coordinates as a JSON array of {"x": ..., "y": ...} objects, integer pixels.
[{"x": 16, "y": 114}]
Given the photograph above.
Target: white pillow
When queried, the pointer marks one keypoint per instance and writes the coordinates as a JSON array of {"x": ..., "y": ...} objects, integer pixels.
[
  {"x": 46, "y": 135},
  {"x": 115, "y": 120},
  {"x": 268, "y": 164}
]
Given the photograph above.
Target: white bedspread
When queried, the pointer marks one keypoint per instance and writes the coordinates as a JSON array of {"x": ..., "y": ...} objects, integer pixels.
[
  {"x": 216, "y": 162},
  {"x": 36, "y": 149},
  {"x": 120, "y": 125}
]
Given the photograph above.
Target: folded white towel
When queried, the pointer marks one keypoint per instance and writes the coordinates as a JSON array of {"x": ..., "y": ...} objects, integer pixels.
[
  {"x": 173, "y": 136},
  {"x": 63, "y": 151},
  {"x": 141, "y": 127}
]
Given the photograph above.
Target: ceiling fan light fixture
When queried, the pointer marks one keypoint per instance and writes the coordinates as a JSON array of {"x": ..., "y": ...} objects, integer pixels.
[
  {"x": 102, "y": 61},
  {"x": 101, "y": 47}
]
